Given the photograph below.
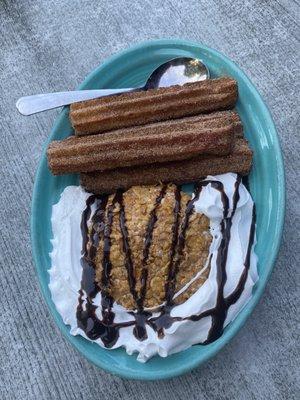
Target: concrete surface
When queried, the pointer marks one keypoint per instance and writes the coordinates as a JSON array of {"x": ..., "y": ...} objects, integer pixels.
[{"x": 51, "y": 45}]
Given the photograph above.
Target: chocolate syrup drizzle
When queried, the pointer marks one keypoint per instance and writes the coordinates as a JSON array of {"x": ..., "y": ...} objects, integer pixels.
[
  {"x": 147, "y": 244},
  {"x": 172, "y": 267},
  {"x": 101, "y": 224},
  {"x": 87, "y": 320}
]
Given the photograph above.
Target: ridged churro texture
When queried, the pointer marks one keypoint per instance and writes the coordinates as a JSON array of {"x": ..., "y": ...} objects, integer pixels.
[
  {"x": 238, "y": 161},
  {"x": 140, "y": 108},
  {"x": 153, "y": 143}
]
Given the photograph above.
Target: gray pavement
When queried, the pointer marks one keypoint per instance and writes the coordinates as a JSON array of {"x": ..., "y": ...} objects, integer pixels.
[{"x": 52, "y": 45}]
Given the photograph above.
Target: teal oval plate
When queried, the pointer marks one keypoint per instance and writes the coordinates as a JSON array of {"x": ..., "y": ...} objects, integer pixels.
[{"x": 131, "y": 68}]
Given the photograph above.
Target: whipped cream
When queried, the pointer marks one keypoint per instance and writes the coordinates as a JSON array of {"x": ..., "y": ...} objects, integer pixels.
[{"x": 193, "y": 320}]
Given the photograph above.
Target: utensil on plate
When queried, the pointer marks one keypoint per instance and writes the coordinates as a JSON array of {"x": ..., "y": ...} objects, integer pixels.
[{"x": 176, "y": 71}]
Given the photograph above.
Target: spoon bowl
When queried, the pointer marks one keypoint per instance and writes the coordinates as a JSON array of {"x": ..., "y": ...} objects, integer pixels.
[{"x": 177, "y": 71}]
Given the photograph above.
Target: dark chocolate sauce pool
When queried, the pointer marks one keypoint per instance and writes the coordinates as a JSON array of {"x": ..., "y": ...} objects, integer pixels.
[{"x": 102, "y": 324}]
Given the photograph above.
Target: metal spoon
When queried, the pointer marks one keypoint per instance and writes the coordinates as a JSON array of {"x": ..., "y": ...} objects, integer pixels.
[{"x": 177, "y": 71}]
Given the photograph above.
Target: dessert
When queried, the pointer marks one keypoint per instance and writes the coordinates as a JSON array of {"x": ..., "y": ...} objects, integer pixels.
[
  {"x": 238, "y": 161},
  {"x": 137, "y": 261},
  {"x": 160, "y": 142},
  {"x": 144, "y": 222},
  {"x": 143, "y": 107},
  {"x": 102, "y": 297}
]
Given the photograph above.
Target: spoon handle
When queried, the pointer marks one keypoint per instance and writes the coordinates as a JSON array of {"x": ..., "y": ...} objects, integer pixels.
[{"x": 40, "y": 102}]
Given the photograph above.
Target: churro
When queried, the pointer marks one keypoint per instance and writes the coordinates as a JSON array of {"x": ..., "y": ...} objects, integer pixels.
[
  {"x": 238, "y": 161},
  {"x": 142, "y": 107},
  {"x": 154, "y": 143}
]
